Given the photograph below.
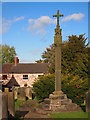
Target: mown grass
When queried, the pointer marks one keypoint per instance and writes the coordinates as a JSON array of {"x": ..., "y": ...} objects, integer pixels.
[{"x": 69, "y": 115}]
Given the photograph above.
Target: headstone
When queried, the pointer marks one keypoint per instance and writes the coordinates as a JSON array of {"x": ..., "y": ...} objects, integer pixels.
[
  {"x": 0, "y": 105},
  {"x": 4, "y": 105},
  {"x": 21, "y": 94},
  {"x": 11, "y": 101},
  {"x": 88, "y": 101},
  {"x": 16, "y": 93},
  {"x": 28, "y": 92},
  {"x": 11, "y": 104},
  {"x": 6, "y": 89}
]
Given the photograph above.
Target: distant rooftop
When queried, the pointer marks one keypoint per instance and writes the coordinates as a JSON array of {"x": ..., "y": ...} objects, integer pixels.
[{"x": 24, "y": 68}]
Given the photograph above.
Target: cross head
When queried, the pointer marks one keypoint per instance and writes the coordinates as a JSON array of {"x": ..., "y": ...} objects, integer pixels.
[{"x": 58, "y": 15}]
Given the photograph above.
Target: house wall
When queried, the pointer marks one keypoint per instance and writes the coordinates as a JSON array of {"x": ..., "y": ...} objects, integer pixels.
[{"x": 19, "y": 78}]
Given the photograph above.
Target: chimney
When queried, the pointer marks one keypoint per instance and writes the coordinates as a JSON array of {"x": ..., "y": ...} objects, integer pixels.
[{"x": 16, "y": 61}]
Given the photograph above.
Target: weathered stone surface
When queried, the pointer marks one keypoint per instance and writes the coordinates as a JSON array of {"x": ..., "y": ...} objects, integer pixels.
[
  {"x": 60, "y": 102},
  {"x": 4, "y": 106},
  {"x": 28, "y": 92},
  {"x": 6, "y": 89},
  {"x": 16, "y": 93},
  {"x": 47, "y": 101},
  {"x": 21, "y": 94},
  {"x": 11, "y": 103},
  {"x": 31, "y": 115},
  {"x": 87, "y": 101},
  {"x": 57, "y": 43}
]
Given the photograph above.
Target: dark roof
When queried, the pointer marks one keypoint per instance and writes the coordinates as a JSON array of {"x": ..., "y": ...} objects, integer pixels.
[
  {"x": 25, "y": 68},
  {"x": 7, "y": 68},
  {"x": 11, "y": 82}
]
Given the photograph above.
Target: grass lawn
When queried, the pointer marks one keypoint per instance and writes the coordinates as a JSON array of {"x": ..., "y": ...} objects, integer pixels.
[{"x": 69, "y": 115}]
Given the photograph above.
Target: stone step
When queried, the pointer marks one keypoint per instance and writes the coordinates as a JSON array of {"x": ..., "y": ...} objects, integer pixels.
[
  {"x": 46, "y": 106},
  {"x": 66, "y": 101},
  {"x": 53, "y": 96},
  {"x": 73, "y": 107},
  {"x": 47, "y": 101}
]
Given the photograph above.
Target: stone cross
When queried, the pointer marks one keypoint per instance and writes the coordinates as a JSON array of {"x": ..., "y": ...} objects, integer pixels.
[
  {"x": 57, "y": 43},
  {"x": 58, "y": 15}
]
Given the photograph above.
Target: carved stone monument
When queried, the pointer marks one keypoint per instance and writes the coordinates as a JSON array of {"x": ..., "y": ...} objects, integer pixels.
[{"x": 59, "y": 100}]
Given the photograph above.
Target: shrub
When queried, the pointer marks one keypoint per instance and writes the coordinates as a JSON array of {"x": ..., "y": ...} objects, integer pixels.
[
  {"x": 74, "y": 86},
  {"x": 44, "y": 86}
]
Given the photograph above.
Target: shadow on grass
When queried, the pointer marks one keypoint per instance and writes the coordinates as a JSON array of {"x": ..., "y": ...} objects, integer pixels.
[{"x": 19, "y": 115}]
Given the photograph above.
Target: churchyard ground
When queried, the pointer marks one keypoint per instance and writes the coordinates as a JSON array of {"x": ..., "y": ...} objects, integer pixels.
[{"x": 23, "y": 108}]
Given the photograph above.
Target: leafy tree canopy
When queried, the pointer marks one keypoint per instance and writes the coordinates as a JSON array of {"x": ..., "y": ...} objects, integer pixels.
[
  {"x": 7, "y": 54},
  {"x": 74, "y": 56}
]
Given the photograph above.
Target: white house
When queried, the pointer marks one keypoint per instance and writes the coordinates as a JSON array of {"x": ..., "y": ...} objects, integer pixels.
[{"x": 24, "y": 73}]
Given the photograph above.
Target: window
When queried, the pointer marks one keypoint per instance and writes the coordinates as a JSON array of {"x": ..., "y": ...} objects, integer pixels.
[
  {"x": 4, "y": 77},
  {"x": 40, "y": 75},
  {"x": 25, "y": 76}
]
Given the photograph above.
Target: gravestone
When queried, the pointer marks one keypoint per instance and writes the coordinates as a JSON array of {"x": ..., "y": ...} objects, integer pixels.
[
  {"x": 88, "y": 101},
  {"x": 16, "y": 93},
  {"x": 0, "y": 106},
  {"x": 21, "y": 94},
  {"x": 4, "y": 105},
  {"x": 11, "y": 101},
  {"x": 6, "y": 90},
  {"x": 28, "y": 92}
]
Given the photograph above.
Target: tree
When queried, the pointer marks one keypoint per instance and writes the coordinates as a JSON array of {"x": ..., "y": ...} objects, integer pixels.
[
  {"x": 39, "y": 61},
  {"x": 8, "y": 54},
  {"x": 49, "y": 57},
  {"x": 74, "y": 56},
  {"x": 74, "y": 70}
]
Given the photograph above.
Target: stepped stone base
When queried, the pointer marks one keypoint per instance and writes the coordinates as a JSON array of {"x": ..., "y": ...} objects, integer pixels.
[{"x": 59, "y": 102}]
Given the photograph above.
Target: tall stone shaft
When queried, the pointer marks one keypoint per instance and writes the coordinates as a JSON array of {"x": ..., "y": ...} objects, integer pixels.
[{"x": 57, "y": 43}]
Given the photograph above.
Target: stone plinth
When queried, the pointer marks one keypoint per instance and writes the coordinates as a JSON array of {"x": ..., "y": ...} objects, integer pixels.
[{"x": 60, "y": 103}]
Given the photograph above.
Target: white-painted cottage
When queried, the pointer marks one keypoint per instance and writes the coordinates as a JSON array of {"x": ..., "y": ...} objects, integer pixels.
[{"x": 24, "y": 73}]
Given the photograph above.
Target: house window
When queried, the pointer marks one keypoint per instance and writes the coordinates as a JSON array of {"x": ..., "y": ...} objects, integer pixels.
[
  {"x": 40, "y": 75},
  {"x": 25, "y": 76},
  {"x": 4, "y": 77}
]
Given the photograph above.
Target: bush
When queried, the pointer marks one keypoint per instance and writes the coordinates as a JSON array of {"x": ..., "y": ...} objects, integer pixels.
[
  {"x": 74, "y": 86},
  {"x": 44, "y": 86}
]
